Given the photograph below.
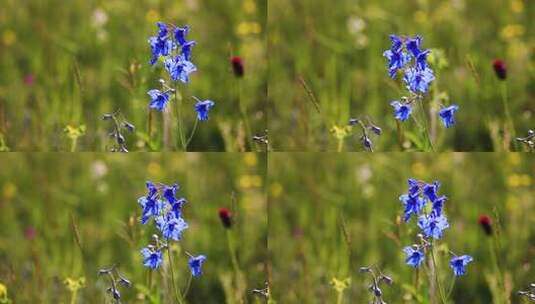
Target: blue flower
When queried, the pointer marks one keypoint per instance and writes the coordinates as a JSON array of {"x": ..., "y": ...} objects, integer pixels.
[
  {"x": 438, "y": 205},
  {"x": 418, "y": 80},
  {"x": 430, "y": 190},
  {"x": 195, "y": 264},
  {"x": 181, "y": 33},
  {"x": 171, "y": 226},
  {"x": 186, "y": 49},
  {"x": 162, "y": 30},
  {"x": 169, "y": 193},
  {"x": 458, "y": 264},
  {"x": 447, "y": 115},
  {"x": 366, "y": 142},
  {"x": 159, "y": 99},
  {"x": 402, "y": 111},
  {"x": 151, "y": 258},
  {"x": 160, "y": 45},
  {"x": 414, "y": 187},
  {"x": 413, "y": 45},
  {"x": 413, "y": 205},
  {"x": 397, "y": 58},
  {"x": 179, "y": 68},
  {"x": 432, "y": 226},
  {"x": 202, "y": 108},
  {"x": 415, "y": 256},
  {"x": 150, "y": 203}
]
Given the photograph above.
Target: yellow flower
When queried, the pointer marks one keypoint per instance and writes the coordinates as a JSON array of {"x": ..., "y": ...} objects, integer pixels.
[
  {"x": 3, "y": 293},
  {"x": 340, "y": 132},
  {"x": 517, "y": 6},
  {"x": 9, "y": 190},
  {"x": 275, "y": 189},
  {"x": 249, "y": 7},
  {"x": 74, "y": 284},
  {"x": 9, "y": 37},
  {"x": 511, "y": 31},
  {"x": 250, "y": 159},
  {"x": 418, "y": 169},
  {"x": 340, "y": 285},
  {"x": 246, "y": 28},
  {"x": 154, "y": 169}
]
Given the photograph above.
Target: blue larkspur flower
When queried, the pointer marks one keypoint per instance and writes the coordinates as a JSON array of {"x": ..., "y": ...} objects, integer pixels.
[
  {"x": 169, "y": 193},
  {"x": 415, "y": 256},
  {"x": 179, "y": 68},
  {"x": 171, "y": 226},
  {"x": 195, "y": 264},
  {"x": 151, "y": 205},
  {"x": 458, "y": 264},
  {"x": 418, "y": 80},
  {"x": 413, "y": 45},
  {"x": 186, "y": 49},
  {"x": 432, "y": 226},
  {"x": 203, "y": 108},
  {"x": 414, "y": 187},
  {"x": 159, "y": 99},
  {"x": 430, "y": 190},
  {"x": 438, "y": 205},
  {"x": 160, "y": 45},
  {"x": 397, "y": 58},
  {"x": 402, "y": 111},
  {"x": 413, "y": 205},
  {"x": 181, "y": 33},
  {"x": 151, "y": 258},
  {"x": 447, "y": 115}
]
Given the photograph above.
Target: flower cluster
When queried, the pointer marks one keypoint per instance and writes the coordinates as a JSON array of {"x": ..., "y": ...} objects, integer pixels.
[
  {"x": 378, "y": 277},
  {"x": 172, "y": 47},
  {"x": 119, "y": 124},
  {"x": 424, "y": 203},
  {"x": 162, "y": 204},
  {"x": 116, "y": 279},
  {"x": 366, "y": 127},
  {"x": 406, "y": 55}
]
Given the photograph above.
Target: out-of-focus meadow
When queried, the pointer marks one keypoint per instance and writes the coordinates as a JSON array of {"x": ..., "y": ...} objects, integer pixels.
[
  {"x": 67, "y": 216},
  {"x": 330, "y": 214},
  {"x": 66, "y": 63},
  {"x": 326, "y": 65}
]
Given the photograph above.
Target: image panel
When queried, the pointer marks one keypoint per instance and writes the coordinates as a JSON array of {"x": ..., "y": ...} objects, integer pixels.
[
  {"x": 138, "y": 228},
  {"x": 401, "y": 75},
  {"x": 401, "y": 228},
  {"x": 150, "y": 76}
]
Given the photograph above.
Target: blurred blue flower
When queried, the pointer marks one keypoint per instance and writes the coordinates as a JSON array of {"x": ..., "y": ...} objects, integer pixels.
[
  {"x": 171, "y": 226},
  {"x": 151, "y": 258},
  {"x": 402, "y": 111},
  {"x": 432, "y": 226},
  {"x": 430, "y": 190},
  {"x": 397, "y": 58},
  {"x": 447, "y": 115},
  {"x": 414, "y": 187},
  {"x": 159, "y": 99},
  {"x": 181, "y": 33},
  {"x": 458, "y": 264},
  {"x": 415, "y": 256},
  {"x": 413, "y": 205},
  {"x": 169, "y": 193},
  {"x": 160, "y": 45},
  {"x": 150, "y": 203},
  {"x": 186, "y": 49},
  {"x": 195, "y": 264},
  {"x": 438, "y": 205},
  {"x": 418, "y": 80},
  {"x": 162, "y": 30},
  {"x": 202, "y": 108},
  {"x": 179, "y": 68}
]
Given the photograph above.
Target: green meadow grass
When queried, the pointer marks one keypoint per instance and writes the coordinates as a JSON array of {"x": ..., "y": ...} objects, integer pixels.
[
  {"x": 326, "y": 66},
  {"x": 88, "y": 58},
  {"x": 84, "y": 215},
  {"x": 330, "y": 214}
]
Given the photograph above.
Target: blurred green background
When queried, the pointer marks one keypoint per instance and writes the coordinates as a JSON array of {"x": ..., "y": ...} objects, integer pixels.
[
  {"x": 313, "y": 197},
  {"x": 65, "y": 63},
  {"x": 336, "y": 48},
  {"x": 43, "y": 195}
]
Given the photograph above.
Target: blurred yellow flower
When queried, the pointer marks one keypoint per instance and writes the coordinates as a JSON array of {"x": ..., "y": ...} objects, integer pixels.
[
  {"x": 152, "y": 16},
  {"x": 249, "y": 7},
  {"x": 246, "y": 28},
  {"x": 250, "y": 159},
  {"x": 9, "y": 37},
  {"x": 420, "y": 17},
  {"x": 9, "y": 190},
  {"x": 340, "y": 132},
  {"x": 250, "y": 181},
  {"x": 154, "y": 169},
  {"x": 517, "y": 6},
  {"x": 511, "y": 203},
  {"x": 512, "y": 30},
  {"x": 418, "y": 169},
  {"x": 275, "y": 189},
  {"x": 3, "y": 292},
  {"x": 74, "y": 284},
  {"x": 513, "y": 158},
  {"x": 340, "y": 285},
  {"x": 517, "y": 180}
]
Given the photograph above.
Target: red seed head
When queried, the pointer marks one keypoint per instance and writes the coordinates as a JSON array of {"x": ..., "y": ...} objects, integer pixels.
[
  {"x": 500, "y": 68},
  {"x": 237, "y": 66},
  {"x": 486, "y": 223},
  {"x": 226, "y": 217}
]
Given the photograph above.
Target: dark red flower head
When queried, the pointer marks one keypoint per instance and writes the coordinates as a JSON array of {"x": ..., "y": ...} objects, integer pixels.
[
  {"x": 237, "y": 66},
  {"x": 500, "y": 68},
  {"x": 226, "y": 217},
  {"x": 486, "y": 223}
]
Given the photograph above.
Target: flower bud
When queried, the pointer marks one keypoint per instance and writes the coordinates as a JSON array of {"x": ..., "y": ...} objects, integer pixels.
[
  {"x": 226, "y": 217},
  {"x": 237, "y": 66},
  {"x": 486, "y": 223},
  {"x": 500, "y": 68}
]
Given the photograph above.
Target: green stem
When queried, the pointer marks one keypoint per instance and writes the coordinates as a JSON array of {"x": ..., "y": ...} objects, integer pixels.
[
  {"x": 339, "y": 298},
  {"x": 192, "y": 133},
  {"x": 340, "y": 145},
  {"x": 435, "y": 270},
  {"x": 177, "y": 293},
  {"x": 74, "y": 142},
  {"x": 178, "y": 113},
  {"x": 73, "y": 296},
  {"x": 232, "y": 253},
  {"x": 426, "y": 128},
  {"x": 188, "y": 285},
  {"x": 243, "y": 112},
  {"x": 452, "y": 285},
  {"x": 505, "y": 101}
]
